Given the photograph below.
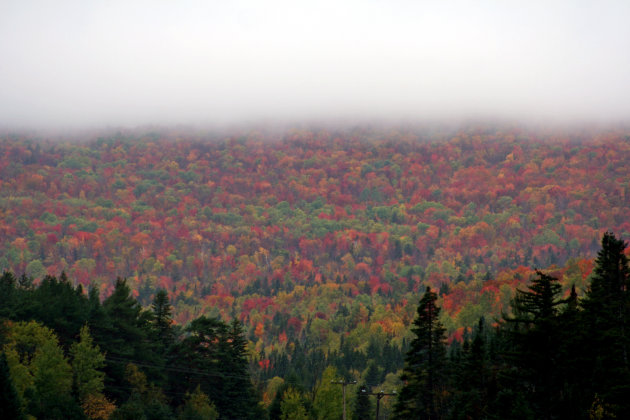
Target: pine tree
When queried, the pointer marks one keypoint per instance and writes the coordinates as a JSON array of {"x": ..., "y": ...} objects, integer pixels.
[
  {"x": 9, "y": 294},
  {"x": 238, "y": 388},
  {"x": 606, "y": 318},
  {"x": 424, "y": 373},
  {"x": 534, "y": 332},
  {"x": 471, "y": 377},
  {"x": 87, "y": 360},
  {"x": 10, "y": 407},
  {"x": 163, "y": 320},
  {"x": 363, "y": 408},
  {"x": 125, "y": 339}
]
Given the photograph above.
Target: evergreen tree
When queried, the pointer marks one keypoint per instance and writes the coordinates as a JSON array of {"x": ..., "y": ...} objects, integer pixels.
[
  {"x": 424, "y": 373},
  {"x": 571, "y": 360},
  {"x": 162, "y": 320},
  {"x": 10, "y": 407},
  {"x": 125, "y": 339},
  {"x": 606, "y": 318},
  {"x": 534, "y": 333},
  {"x": 238, "y": 388},
  {"x": 87, "y": 362},
  {"x": 363, "y": 408},
  {"x": 471, "y": 377},
  {"x": 213, "y": 356},
  {"x": 59, "y": 306},
  {"x": 9, "y": 294}
]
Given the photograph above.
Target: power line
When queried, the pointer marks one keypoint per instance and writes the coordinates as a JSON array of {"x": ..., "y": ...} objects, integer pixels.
[{"x": 379, "y": 395}]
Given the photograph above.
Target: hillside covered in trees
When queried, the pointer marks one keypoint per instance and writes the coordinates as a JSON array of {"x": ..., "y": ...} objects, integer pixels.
[
  {"x": 314, "y": 232},
  {"x": 66, "y": 355}
]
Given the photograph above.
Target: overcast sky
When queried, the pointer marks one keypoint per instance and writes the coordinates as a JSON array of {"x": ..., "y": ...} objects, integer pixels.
[{"x": 96, "y": 63}]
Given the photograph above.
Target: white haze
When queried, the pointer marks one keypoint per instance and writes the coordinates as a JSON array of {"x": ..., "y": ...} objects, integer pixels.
[{"x": 99, "y": 63}]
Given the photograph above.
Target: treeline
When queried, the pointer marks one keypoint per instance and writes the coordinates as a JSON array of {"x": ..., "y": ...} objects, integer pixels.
[
  {"x": 552, "y": 357},
  {"x": 64, "y": 354}
]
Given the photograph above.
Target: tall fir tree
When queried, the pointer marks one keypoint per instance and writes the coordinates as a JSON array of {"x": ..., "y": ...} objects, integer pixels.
[
  {"x": 606, "y": 313},
  {"x": 471, "y": 377},
  {"x": 162, "y": 320},
  {"x": 425, "y": 372},
  {"x": 125, "y": 339},
  {"x": 10, "y": 406},
  {"x": 363, "y": 408},
  {"x": 534, "y": 333}
]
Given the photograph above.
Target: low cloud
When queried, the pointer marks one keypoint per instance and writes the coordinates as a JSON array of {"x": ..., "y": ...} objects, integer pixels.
[{"x": 75, "y": 63}]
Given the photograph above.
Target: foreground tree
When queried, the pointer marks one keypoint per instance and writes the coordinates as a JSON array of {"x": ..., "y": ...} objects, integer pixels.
[
  {"x": 40, "y": 371},
  {"x": 606, "y": 315},
  {"x": 424, "y": 375},
  {"x": 89, "y": 380},
  {"x": 328, "y": 402},
  {"x": 362, "y": 404},
  {"x": 534, "y": 332},
  {"x": 10, "y": 407}
]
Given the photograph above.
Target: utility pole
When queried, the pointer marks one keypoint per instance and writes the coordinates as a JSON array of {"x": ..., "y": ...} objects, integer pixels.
[
  {"x": 379, "y": 396},
  {"x": 343, "y": 387}
]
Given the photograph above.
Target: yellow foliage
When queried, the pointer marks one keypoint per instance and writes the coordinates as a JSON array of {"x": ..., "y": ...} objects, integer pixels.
[{"x": 98, "y": 407}]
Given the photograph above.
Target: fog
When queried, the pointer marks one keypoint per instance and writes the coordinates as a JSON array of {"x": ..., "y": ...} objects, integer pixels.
[{"x": 103, "y": 63}]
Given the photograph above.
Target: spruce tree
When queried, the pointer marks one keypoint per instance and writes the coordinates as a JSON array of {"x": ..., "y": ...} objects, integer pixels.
[
  {"x": 362, "y": 404},
  {"x": 162, "y": 320},
  {"x": 10, "y": 406},
  {"x": 125, "y": 339},
  {"x": 471, "y": 377},
  {"x": 424, "y": 373},
  {"x": 534, "y": 332},
  {"x": 606, "y": 318}
]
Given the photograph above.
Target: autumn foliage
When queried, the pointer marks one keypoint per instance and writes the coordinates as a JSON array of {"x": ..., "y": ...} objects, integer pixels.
[{"x": 284, "y": 229}]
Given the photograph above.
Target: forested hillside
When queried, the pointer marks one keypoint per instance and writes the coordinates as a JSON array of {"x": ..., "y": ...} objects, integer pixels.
[
  {"x": 319, "y": 241},
  {"x": 295, "y": 225},
  {"x": 65, "y": 355}
]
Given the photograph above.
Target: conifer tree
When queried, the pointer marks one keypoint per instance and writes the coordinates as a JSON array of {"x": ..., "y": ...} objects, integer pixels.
[
  {"x": 10, "y": 407},
  {"x": 163, "y": 319},
  {"x": 126, "y": 339},
  {"x": 87, "y": 362},
  {"x": 471, "y": 377},
  {"x": 424, "y": 373},
  {"x": 362, "y": 404},
  {"x": 534, "y": 332},
  {"x": 606, "y": 317}
]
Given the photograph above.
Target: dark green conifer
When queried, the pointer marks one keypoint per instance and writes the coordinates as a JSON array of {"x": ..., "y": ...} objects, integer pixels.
[
  {"x": 534, "y": 334},
  {"x": 10, "y": 407},
  {"x": 363, "y": 407},
  {"x": 606, "y": 317},
  {"x": 424, "y": 375}
]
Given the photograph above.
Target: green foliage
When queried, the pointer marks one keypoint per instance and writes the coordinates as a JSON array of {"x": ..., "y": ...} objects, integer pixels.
[
  {"x": 292, "y": 407},
  {"x": 40, "y": 371},
  {"x": 87, "y": 362},
  {"x": 36, "y": 269},
  {"x": 328, "y": 403},
  {"x": 197, "y": 406}
]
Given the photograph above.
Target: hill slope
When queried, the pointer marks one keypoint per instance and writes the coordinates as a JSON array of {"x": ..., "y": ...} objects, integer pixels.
[{"x": 314, "y": 232}]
